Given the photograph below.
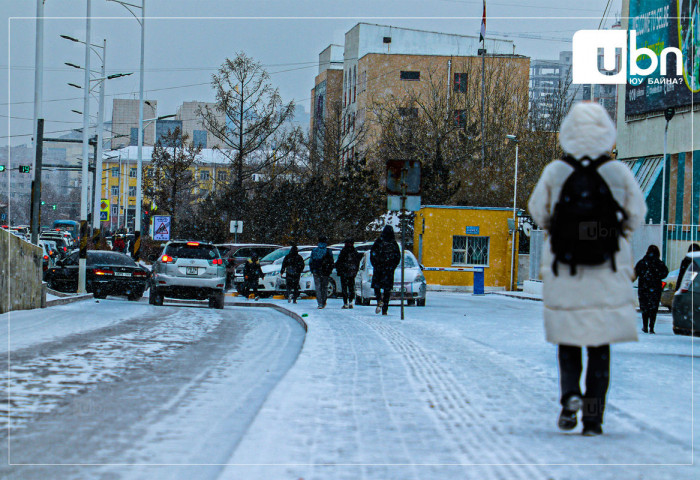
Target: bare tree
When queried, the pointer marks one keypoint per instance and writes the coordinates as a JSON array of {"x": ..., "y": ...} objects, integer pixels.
[
  {"x": 251, "y": 121},
  {"x": 172, "y": 184}
]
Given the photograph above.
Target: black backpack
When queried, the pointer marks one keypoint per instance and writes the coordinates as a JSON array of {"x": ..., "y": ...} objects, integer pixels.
[{"x": 587, "y": 221}]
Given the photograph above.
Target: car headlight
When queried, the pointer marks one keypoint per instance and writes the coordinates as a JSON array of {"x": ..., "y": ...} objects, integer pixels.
[{"x": 420, "y": 278}]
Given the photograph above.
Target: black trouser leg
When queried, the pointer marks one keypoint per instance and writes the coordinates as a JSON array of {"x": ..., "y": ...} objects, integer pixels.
[
  {"x": 570, "y": 368},
  {"x": 385, "y": 300},
  {"x": 378, "y": 294},
  {"x": 348, "y": 286},
  {"x": 645, "y": 321},
  {"x": 295, "y": 284},
  {"x": 652, "y": 319},
  {"x": 597, "y": 382}
]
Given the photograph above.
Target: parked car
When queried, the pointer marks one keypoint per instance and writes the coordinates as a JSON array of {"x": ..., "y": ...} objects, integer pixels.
[
  {"x": 190, "y": 270},
  {"x": 47, "y": 260},
  {"x": 268, "y": 259},
  {"x": 107, "y": 273},
  {"x": 686, "y": 301},
  {"x": 63, "y": 245},
  {"x": 306, "y": 282},
  {"x": 235, "y": 254},
  {"x": 414, "y": 281},
  {"x": 669, "y": 289}
]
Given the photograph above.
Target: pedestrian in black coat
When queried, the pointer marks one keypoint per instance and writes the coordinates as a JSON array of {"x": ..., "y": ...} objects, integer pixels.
[
  {"x": 385, "y": 256},
  {"x": 650, "y": 270},
  {"x": 685, "y": 263},
  {"x": 252, "y": 273},
  {"x": 292, "y": 265},
  {"x": 321, "y": 266},
  {"x": 347, "y": 265}
]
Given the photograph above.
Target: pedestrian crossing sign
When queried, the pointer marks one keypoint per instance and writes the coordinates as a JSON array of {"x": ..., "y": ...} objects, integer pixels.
[
  {"x": 161, "y": 228},
  {"x": 104, "y": 210}
]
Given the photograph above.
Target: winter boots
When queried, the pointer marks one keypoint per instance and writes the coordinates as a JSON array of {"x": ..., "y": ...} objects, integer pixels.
[
  {"x": 591, "y": 428},
  {"x": 378, "y": 310},
  {"x": 567, "y": 417}
]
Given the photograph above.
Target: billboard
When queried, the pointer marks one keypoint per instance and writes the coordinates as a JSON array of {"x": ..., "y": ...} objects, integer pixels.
[{"x": 660, "y": 24}]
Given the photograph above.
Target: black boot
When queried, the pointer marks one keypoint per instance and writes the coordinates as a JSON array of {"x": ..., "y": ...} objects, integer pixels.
[
  {"x": 591, "y": 428},
  {"x": 567, "y": 417}
]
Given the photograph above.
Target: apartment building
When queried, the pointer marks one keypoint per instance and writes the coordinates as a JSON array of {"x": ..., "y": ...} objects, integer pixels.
[
  {"x": 382, "y": 64},
  {"x": 125, "y": 122}
]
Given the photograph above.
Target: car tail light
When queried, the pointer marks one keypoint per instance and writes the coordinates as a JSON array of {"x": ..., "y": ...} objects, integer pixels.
[
  {"x": 192, "y": 244},
  {"x": 65, "y": 249},
  {"x": 102, "y": 271},
  {"x": 166, "y": 259},
  {"x": 687, "y": 281},
  {"x": 663, "y": 285},
  {"x": 140, "y": 274},
  {"x": 220, "y": 285},
  {"x": 46, "y": 257},
  {"x": 217, "y": 261}
]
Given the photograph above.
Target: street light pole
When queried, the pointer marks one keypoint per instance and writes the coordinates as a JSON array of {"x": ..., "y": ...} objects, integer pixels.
[
  {"x": 668, "y": 115},
  {"x": 139, "y": 166},
  {"x": 82, "y": 257},
  {"x": 38, "y": 66},
  {"x": 514, "y": 138},
  {"x": 96, "y": 223}
]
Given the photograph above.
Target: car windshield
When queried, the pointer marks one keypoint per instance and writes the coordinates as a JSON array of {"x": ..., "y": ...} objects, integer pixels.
[
  {"x": 277, "y": 254},
  {"x": 182, "y": 250},
  {"x": 223, "y": 249},
  {"x": 109, "y": 258}
]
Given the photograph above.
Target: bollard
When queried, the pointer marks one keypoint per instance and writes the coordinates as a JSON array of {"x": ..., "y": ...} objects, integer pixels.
[{"x": 478, "y": 281}]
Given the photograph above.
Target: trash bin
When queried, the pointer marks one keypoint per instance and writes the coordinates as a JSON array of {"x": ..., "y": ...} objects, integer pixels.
[{"x": 478, "y": 281}]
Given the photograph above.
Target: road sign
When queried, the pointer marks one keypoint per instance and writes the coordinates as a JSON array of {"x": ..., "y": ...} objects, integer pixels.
[
  {"x": 394, "y": 170},
  {"x": 104, "y": 210},
  {"x": 236, "y": 226},
  {"x": 161, "y": 227},
  {"x": 412, "y": 203}
]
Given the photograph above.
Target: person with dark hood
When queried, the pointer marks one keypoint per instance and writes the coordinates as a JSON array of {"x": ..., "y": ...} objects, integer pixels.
[
  {"x": 650, "y": 271},
  {"x": 292, "y": 265},
  {"x": 252, "y": 273},
  {"x": 347, "y": 265},
  {"x": 321, "y": 265},
  {"x": 685, "y": 263},
  {"x": 385, "y": 256}
]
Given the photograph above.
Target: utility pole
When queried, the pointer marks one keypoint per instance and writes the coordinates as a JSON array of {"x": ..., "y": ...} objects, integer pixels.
[
  {"x": 36, "y": 184},
  {"x": 139, "y": 167},
  {"x": 96, "y": 223},
  {"x": 668, "y": 115},
  {"x": 482, "y": 52},
  {"x": 38, "y": 67},
  {"x": 82, "y": 257}
]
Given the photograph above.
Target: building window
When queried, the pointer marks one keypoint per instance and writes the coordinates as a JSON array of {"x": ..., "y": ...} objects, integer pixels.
[
  {"x": 460, "y": 117},
  {"x": 408, "y": 112},
  {"x": 204, "y": 175},
  {"x": 470, "y": 250},
  {"x": 221, "y": 176},
  {"x": 409, "y": 75},
  {"x": 134, "y": 136},
  {"x": 132, "y": 191},
  {"x": 460, "y": 82},
  {"x": 132, "y": 172},
  {"x": 115, "y": 190},
  {"x": 115, "y": 171},
  {"x": 115, "y": 210},
  {"x": 199, "y": 138}
]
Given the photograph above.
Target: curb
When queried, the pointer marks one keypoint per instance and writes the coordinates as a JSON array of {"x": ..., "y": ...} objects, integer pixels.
[
  {"x": 519, "y": 297},
  {"x": 279, "y": 308},
  {"x": 66, "y": 300}
]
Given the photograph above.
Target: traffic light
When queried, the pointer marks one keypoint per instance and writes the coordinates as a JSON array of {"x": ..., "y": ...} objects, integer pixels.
[
  {"x": 43, "y": 202},
  {"x": 53, "y": 206},
  {"x": 25, "y": 168},
  {"x": 2, "y": 168}
]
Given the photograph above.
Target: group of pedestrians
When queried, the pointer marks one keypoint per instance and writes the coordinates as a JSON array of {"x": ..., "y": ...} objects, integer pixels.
[{"x": 385, "y": 256}]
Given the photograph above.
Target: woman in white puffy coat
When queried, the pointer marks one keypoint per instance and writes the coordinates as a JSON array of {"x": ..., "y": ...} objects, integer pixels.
[{"x": 593, "y": 307}]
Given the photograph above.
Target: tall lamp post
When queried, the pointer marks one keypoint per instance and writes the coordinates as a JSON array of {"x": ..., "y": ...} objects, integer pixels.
[
  {"x": 514, "y": 139},
  {"x": 668, "y": 115},
  {"x": 139, "y": 164}
]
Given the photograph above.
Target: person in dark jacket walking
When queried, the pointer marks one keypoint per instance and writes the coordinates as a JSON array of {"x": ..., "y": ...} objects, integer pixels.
[
  {"x": 292, "y": 265},
  {"x": 347, "y": 265},
  {"x": 252, "y": 273},
  {"x": 385, "y": 256},
  {"x": 321, "y": 265},
  {"x": 650, "y": 270},
  {"x": 694, "y": 247}
]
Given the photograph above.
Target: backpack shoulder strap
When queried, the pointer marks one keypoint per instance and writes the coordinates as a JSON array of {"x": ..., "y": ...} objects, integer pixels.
[
  {"x": 571, "y": 161},
  {"x": 600, "y": 161}
]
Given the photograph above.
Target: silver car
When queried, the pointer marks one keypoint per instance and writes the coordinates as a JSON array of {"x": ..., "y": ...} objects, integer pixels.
[
  {"x": 414, "y": 281},
  {"x": 190, "y": 270}
]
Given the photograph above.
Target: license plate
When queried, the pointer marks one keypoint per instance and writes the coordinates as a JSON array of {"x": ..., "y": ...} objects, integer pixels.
[
  {"x": 122, "y": 274},
  {"x": 192, "y": 270}
]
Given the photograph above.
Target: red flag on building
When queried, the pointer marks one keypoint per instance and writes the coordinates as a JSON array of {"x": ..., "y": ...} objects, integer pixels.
[{"x": 482, "y": 35}]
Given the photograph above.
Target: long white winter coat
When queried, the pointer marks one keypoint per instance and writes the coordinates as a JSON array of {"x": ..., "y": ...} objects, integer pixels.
[{"x": 596, "y": 305}]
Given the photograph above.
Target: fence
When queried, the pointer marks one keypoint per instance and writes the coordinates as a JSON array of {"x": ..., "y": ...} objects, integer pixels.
[{"x": 678, "y": 239}]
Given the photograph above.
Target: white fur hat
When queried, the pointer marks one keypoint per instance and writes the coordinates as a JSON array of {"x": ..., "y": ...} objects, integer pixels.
[{"x": 587, "y": 131}]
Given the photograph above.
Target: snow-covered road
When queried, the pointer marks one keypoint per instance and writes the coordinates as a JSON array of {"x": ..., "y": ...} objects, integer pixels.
[{"x": 463, "y": 388}]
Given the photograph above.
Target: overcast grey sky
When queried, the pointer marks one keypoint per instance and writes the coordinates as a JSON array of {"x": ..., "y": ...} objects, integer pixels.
[{"x": 187, "y": 40}]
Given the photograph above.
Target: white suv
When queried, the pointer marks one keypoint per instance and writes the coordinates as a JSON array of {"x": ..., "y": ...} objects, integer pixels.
[{"x": 189, "y": 270}]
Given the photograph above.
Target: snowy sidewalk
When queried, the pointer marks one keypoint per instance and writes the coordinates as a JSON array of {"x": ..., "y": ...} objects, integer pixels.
[{"x": 468, "y": 386}]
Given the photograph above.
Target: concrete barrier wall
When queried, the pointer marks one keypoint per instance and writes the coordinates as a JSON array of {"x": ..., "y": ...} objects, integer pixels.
[{"x": 20, "y": 273}]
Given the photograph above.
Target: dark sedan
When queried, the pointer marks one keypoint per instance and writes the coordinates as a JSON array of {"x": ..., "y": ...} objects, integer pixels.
[
  {"x": 107, "y": 273},
  {"x": 686, "y": 301}
]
